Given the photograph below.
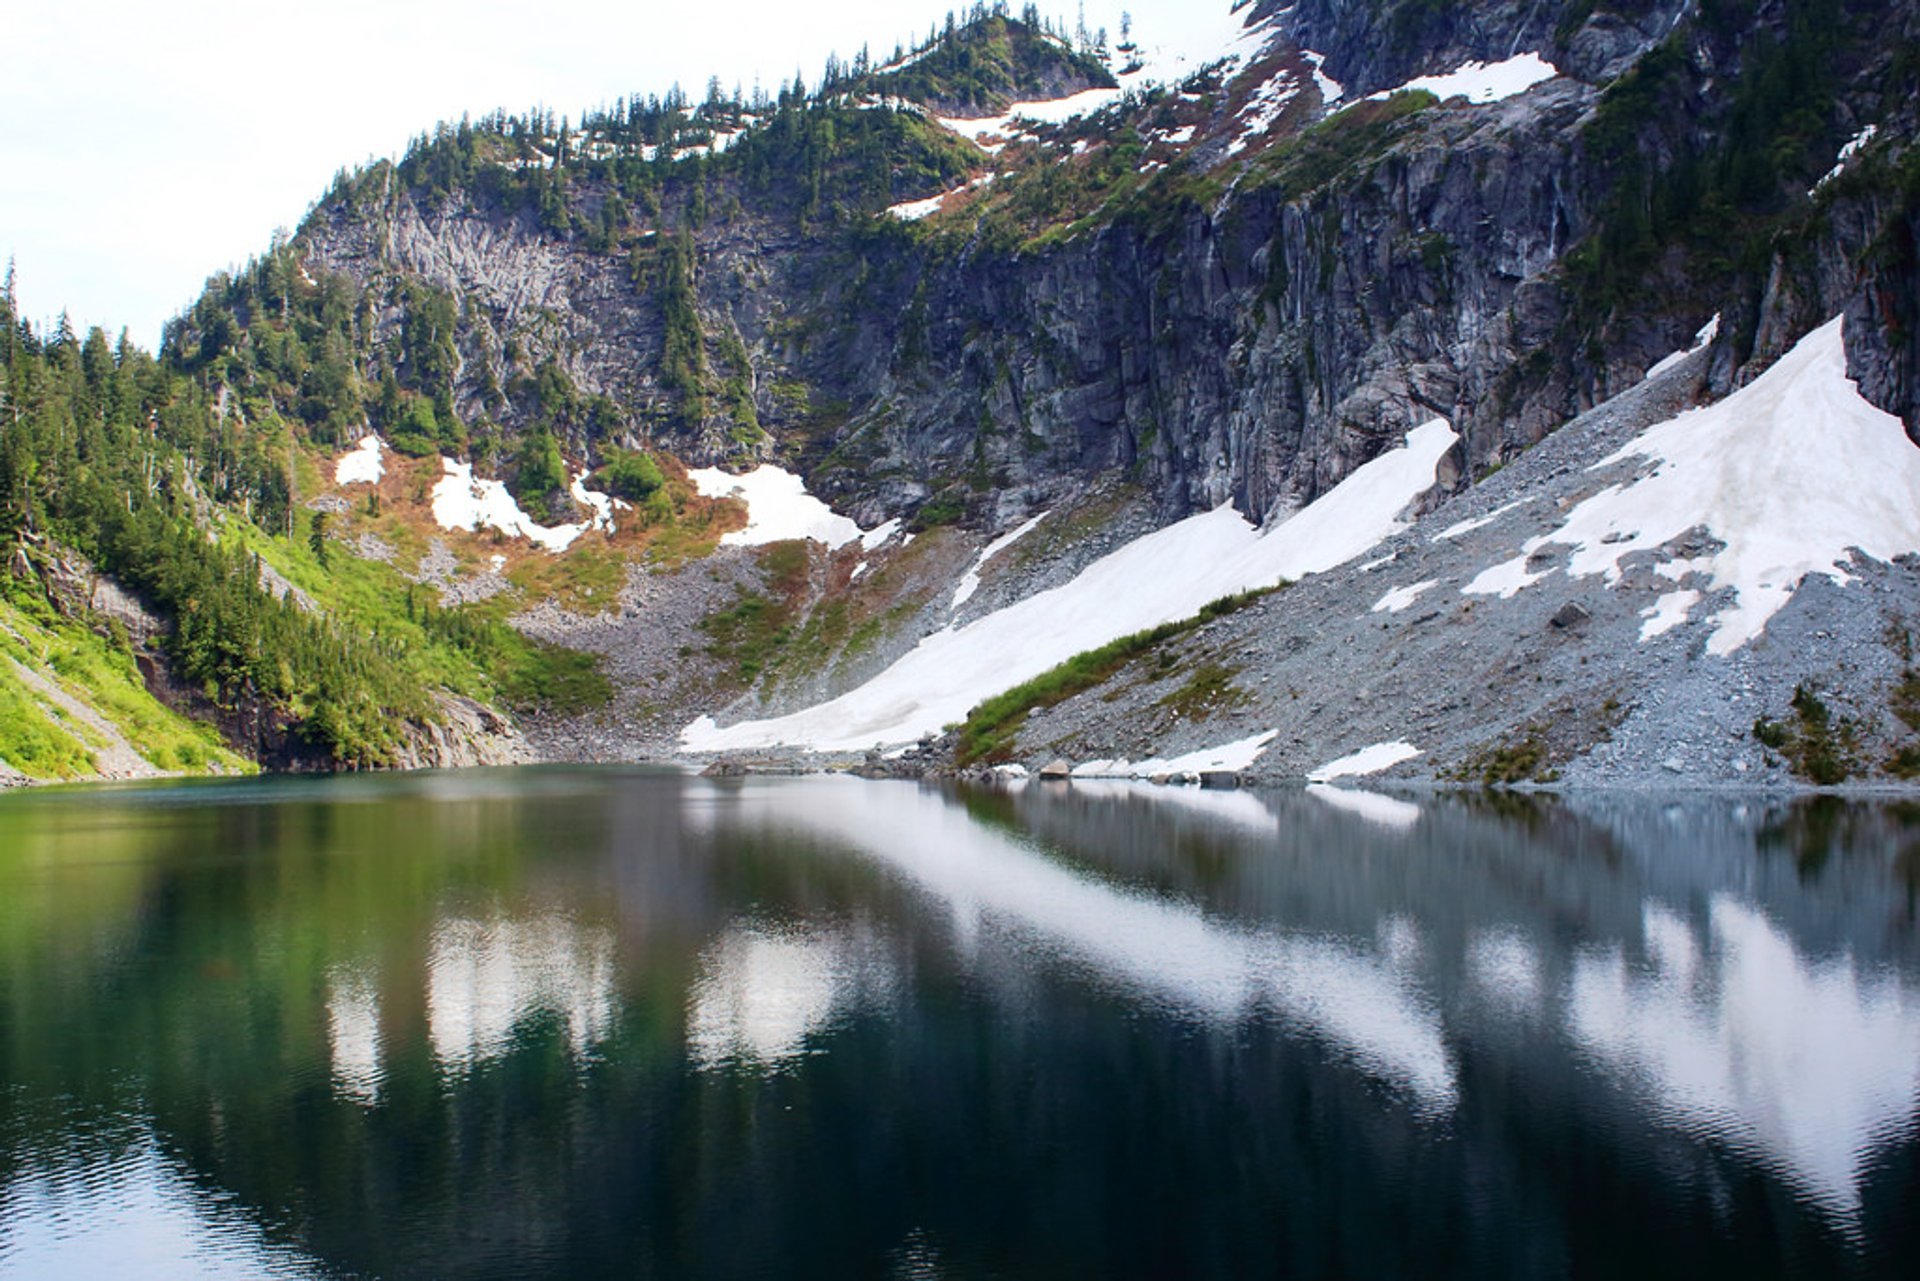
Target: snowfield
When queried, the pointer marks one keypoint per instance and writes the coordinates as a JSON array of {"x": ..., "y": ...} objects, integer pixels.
[
  {"x": 462, "y": 502},
  {"x": 779, "y": 508},
  {"x": 1158, "y": 578},
  {"x": 1793, "y": 473},
  {"x": 1482, "y": 82},
  {"x": 361, "y": 465}
]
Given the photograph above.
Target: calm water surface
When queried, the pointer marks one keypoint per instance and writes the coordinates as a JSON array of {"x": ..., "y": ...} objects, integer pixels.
[{"x": 616, "y": 1023}]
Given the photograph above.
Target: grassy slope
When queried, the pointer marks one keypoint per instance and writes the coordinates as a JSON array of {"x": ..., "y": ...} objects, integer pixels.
[{"x": 41, "y": 740}]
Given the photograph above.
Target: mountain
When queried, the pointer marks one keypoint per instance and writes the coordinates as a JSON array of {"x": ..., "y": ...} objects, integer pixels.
[{"x": 821, "y": 419}]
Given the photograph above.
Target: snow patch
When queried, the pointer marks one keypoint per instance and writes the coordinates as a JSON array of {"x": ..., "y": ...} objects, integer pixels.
[
  {"x": 1368, "y": 760},
  {"x": 460, "y": 501},
  {"x": 1331, "y": 90},
  {"x": 1708, "y": 332},
  {"x": 1234, "y": 756},
  {"x": 1263, "y": 109},
  {"x": 1793, "y": 473},
  {"x": 970, "y": 581},
  {"x": 361, "y": 465},
  {"x": 1847, "y": 153},
  {"x": 778, "y": 508},
  {"x": 1158, "y": 578},
  {"x": 1479, "y": 522},
  {"x": 1667, "y": 613},
  {"x": 914, "y": 210},
  {"x": 1481, "y": 82},
  {"x": 1401, "y": 597}
]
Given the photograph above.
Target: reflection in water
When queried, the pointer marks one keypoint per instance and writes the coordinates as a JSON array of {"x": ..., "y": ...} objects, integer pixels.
[
  {"x": 353, "y": 1034},
  {"x": 485, "y": 977},
  {"x": 1505, "y": 970},
  {"x": 1233, "y": 807},
  {"x": 132, "y": 1216},
  {"x": 1807, "y": 1063},
  {"x": 1169, "y": 951},
  {"x": 760, "y": 995},
  {"x": 1386, "y": 811}
]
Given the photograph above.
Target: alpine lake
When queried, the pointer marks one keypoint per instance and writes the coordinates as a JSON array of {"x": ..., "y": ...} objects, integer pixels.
[{"x": 629, "y": 1023}]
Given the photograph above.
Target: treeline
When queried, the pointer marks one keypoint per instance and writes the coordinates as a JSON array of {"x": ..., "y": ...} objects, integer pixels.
[
  {"x": 820, "y": 151},
  {"x": 123, "y": 458}
]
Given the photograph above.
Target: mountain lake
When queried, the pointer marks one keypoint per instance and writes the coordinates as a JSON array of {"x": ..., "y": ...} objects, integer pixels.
[{"x": 622, "y": 1022}]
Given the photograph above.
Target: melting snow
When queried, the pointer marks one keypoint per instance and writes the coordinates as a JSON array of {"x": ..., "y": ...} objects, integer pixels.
[
  {"x": 1708, "y": 332},
  {"x": 1667, "y": 613},
  {"x": 1793, "y": 473},
  {"x": 1163, "y": 576},
  {"x": 1263, "y": 109},
  {"x": 1847, "y": 153},
  {"x": 1236, "y": 755},
  {"x": 1211, "y": 35},
  {"x": 1368, "y": 760},
  {"x": 462, "y": 502},
  {"x": 1479, "y": 522},
  {"x": 1331, "y": 90},
  {"x": 914, "y": 210},
  {"x": 1401, "y": 597},
  {"x": 970, "y": 581},
  {"x": 778, "y": 508},
  {"x": 361, "y": 465},
  {"x": 1482, "y": 82}
]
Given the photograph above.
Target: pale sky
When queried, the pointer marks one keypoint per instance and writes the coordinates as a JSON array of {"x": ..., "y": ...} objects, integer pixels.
[{"x": 147, "y": 145}]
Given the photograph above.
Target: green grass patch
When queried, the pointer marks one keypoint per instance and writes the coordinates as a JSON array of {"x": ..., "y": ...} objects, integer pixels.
[{"x": 989, "y": 731}]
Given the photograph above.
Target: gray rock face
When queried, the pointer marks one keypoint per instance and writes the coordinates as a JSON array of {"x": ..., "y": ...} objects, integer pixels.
[{"x": 1254, "y": 345}]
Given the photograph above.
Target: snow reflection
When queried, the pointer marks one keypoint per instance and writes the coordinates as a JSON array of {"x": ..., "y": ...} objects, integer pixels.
[
  {"x": 1382, "y": 811},
  {"x": 485, "y": 977},
  {"x": 1168, "y": 951},
  {"x": 353, "y": 1035},
  {"x": 1505, "y": 970},
  {"x": 761, "y": 994},
  {"x": 1809, "y": 1064}
]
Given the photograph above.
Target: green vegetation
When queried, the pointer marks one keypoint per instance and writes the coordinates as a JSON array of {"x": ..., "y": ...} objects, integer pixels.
[
  {"x": 41, "y": 740},
  {"x": 1525, "y": 760},
  {"x": 1815, "y": 745},
  {"x": 989, "y": 731},
  {"x": 1208, "y": 691}
]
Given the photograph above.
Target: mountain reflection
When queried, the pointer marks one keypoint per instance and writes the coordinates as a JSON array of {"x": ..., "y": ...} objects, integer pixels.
[
  {"x": 1739, "y": 1037},
  {"x": 1167, "y": 951}
]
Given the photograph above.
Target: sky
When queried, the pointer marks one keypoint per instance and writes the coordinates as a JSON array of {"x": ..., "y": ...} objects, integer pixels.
[{"x": 147, "y": 146}]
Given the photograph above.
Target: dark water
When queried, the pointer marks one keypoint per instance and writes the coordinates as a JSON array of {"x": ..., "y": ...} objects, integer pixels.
[{"x": 581, "y": 1024}]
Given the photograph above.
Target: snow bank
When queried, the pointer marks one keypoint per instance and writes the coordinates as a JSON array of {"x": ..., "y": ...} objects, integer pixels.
[
  {"x": 360, "y": 465},
  {"x": 1793, "y": 473},
  {"x": 970, "y": 581},
  {"x": 1234, "y": 756},
  {"x": 1847, "y": 153},
  {"x": 915, "y": 210},
  {"x": 1163, "y": 576},
  {"x": 778, "y": 508},
  {"x": 1482, "y": 82},
  {"x": 1368, "y": 760},
  {"x": 1212, "y": 34},
  {"x": 1708, "y": 332},
  {"x": 1479, "y": 522},
  {"x": 462, "y": 502},
  {"x": 1401, "y": 597}
]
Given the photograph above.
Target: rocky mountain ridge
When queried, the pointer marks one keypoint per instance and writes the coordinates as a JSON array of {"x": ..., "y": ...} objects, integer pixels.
[{"x": 1006, "y": 278}]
